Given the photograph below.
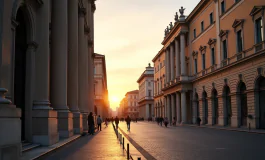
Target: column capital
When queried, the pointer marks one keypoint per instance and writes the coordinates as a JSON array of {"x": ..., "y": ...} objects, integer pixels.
[
  {"x": 183, "y": 32},
  {"x": 81, "y": 11},
  {"x": 3, "y": 99}
]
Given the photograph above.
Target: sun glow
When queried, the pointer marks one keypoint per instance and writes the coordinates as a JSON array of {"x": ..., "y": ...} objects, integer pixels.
[{"x": 114, "y": 99}]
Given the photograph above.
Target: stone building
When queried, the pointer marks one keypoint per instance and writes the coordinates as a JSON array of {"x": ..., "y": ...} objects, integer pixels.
[
  {"x": 215, "y": 63},
  {"x": 100, "y": 86},
  {"x": 130, "y": 103},
  {"x": 146, "y": 93},
  {"x": 46, "y": 71}
]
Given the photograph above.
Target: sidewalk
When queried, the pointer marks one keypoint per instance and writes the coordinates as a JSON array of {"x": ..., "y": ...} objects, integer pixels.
[
  {"x": 256, "y": 131},
  {"x": 102, "y": 145}
]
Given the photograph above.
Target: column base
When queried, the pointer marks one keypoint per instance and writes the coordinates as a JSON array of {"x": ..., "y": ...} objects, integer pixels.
[
  {"x": 78, "y": 123},
  {"x": 210, "y": 120},
  {"x": 234, "y": 122},
  {"x": 85, "y": 126},
  {"x": 10, "y": 124},
  {"x": 47, "y": 134},
  {"x": 222, "y": 121},
  {"x": 65, "y": 124}
]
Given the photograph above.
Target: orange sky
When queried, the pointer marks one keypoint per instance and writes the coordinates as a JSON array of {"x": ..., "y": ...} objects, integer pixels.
[{"x": 129, "y": 33}]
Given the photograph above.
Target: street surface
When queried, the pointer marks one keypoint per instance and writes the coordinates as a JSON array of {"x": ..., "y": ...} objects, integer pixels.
[
  {"x": 190, "y": 143},
  {"x": 102, "y": 145}
]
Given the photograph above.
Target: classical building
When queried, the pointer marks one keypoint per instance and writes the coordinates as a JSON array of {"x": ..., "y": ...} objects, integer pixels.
[
  {"x": 100, "y": 86},
  {"x": 122, "y": 108},
  {"x": 130, "y": 104},
  {"x": 146, "y": 93},
  {"x": 46, "y": 71},
  {"x": 214, "y": 65}
]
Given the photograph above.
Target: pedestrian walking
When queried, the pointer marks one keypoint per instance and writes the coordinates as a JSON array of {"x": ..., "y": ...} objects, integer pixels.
[
  {"x": 90, "y": 122},
  {"x": 198, "y": 121},
  {"x": 166, "y": 121},
  {"x": 117, "y": 122},
  {"x": 99, "y": 121},
  {"x": 128, "y": 122},
  {"x": 106, "y": 122},
  {"x": 161, "y": 120},
  {"x": 174, "y": 121}
]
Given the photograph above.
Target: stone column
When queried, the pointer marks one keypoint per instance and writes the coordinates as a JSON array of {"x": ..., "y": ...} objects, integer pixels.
[
  {"x": 172, "y": 62},
  {"x": 82, "y": 69},
  {"x": 178, "y": 107},
  {"x": 177, "y": 58},
  {"x": 167, "y": 64},
  {"x": 147, "y": 111},
  {"x": 236, "y": 110},
  {"x": 183, "y": 107},
  {"x": 182, "y": 54},
  {"x": 195, "y": 111},
  {"x": 72, "y": 97},
  {"x": 168, "y": 107},
  {"x": 173, "y": 107},
  {"x": 59, "y": 55},
  {"x": 10, "y": 125},
  {"x": 42, "y": 112}
]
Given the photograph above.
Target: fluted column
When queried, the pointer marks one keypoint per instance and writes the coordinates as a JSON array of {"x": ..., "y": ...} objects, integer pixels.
[
  {"x": 182, "y": 54},
  {"x": 177, "y": 58},
  {"x": 178, "y": 107},
  {"x": 59, "y": 55},
  {"x": 171, "y": 62},
  {"x": 183, "y": 107}
]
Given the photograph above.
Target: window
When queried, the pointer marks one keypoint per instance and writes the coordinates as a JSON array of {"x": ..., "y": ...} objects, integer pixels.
[
  {"x": 149, "y": 84},
  {"x": 211, "y": 18},
  {"x": 223, "y": 7},
  {"x": 202, "y": 26},
  {"x": 194, "y": 33},
  {"x": 259, "y": 30},
  {"x": 149, "y": 92},
  {"x": 203, "y": 61},
  {"x": 160, "y": 65},
  {"x": 239, "y": 41},
  {"x": 195, "y": 65},
  {"x": 224, "y": 50},
  {"x": 213, "y": 56}
]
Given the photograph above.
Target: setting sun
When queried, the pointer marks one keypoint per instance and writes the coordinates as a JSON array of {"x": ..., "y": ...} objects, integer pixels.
[{"x": 114, "y": 99}]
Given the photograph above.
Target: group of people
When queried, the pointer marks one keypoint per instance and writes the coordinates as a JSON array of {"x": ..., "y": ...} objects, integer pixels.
[{"x": 161, "y": 120}]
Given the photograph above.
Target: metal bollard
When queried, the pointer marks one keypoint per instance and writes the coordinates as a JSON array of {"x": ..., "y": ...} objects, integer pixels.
[
  {"x": 128, "y": 151},
  {"x": 123, "y": 143}
]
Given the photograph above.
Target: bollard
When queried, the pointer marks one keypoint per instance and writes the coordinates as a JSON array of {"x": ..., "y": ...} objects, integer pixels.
[
  {"x": 128, "y": 151},
  {"x": 123, "y": 143},
  {"x": 249, "y": 127}
]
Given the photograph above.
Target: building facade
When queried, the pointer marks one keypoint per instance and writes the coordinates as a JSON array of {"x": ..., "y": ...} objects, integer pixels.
[
  {"x": 100, "y": 86},
  {"x": 46, "y": 73},
  {"x": 146, "y": 93},
  {"x": 214, "y": 64},
  {"x": 131, "y": 107}
]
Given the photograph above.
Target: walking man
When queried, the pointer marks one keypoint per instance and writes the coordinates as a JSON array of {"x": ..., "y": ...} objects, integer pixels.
[
  {"x": 128, "y": 121},
  {"x": 117, "y": 122},
  {"x": 99, "y": 121}
]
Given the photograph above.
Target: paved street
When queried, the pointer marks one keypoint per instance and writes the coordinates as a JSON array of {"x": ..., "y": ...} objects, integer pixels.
[
  {"x": 190, "y": 143},
  {"x": 103, "y": 145}
]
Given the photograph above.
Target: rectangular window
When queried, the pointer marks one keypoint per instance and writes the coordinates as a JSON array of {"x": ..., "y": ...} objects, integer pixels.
[
  {"x": 211, "y": 18},
  {"x": 149, "y": 92},
  {"x": 239, "y": 41},
  {"x": 203, "y": 61},
  {"x": 224, "y": 49},
  {"x": 202, "y": 26},
  {"x": 194, "y": 33},
  {"x": 259, "y": 30},
  {"x": 223, "y": 7},
  {"x": 213, "y": 56},
  {"x": 195, "y": 65},
  {"x": 149, "y": 84}
]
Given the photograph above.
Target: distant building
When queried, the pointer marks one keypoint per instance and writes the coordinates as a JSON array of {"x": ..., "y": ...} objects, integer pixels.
[
  {"x": 146, "y": 93},
  {"x": 100, "y": 84},
  {"x": 131, "y": 107}
]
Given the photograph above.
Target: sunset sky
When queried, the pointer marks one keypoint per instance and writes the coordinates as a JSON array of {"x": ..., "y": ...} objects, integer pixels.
[{"x": 129, "y": 33}]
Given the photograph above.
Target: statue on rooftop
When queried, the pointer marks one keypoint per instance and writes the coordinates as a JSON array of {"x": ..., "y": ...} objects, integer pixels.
[
  {"x": 181, "y": 11},
  {"x": 170, "y": 26},
  {"x": 176, "y": 17}
]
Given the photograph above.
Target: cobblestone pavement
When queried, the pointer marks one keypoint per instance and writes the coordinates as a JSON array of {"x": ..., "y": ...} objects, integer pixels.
[
  {"x": 190, "y": 143},
  {"x": 101, "y": 146}
]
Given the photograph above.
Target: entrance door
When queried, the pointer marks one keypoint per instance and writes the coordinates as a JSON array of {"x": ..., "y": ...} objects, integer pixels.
[
  {"x": 20, "y": 67},
  {"x": 262, "y": 103}
]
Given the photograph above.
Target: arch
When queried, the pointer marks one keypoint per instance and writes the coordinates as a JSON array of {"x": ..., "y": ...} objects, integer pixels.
[
  {"x": 260, "y": 101},
  {"x": 204, "y": 108},
  {"x": 242, "y": 104},
  {"x": 29, "y": 18},
  {"x": 227, "y": 111},
  {"x": 215, "y": 109}
]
